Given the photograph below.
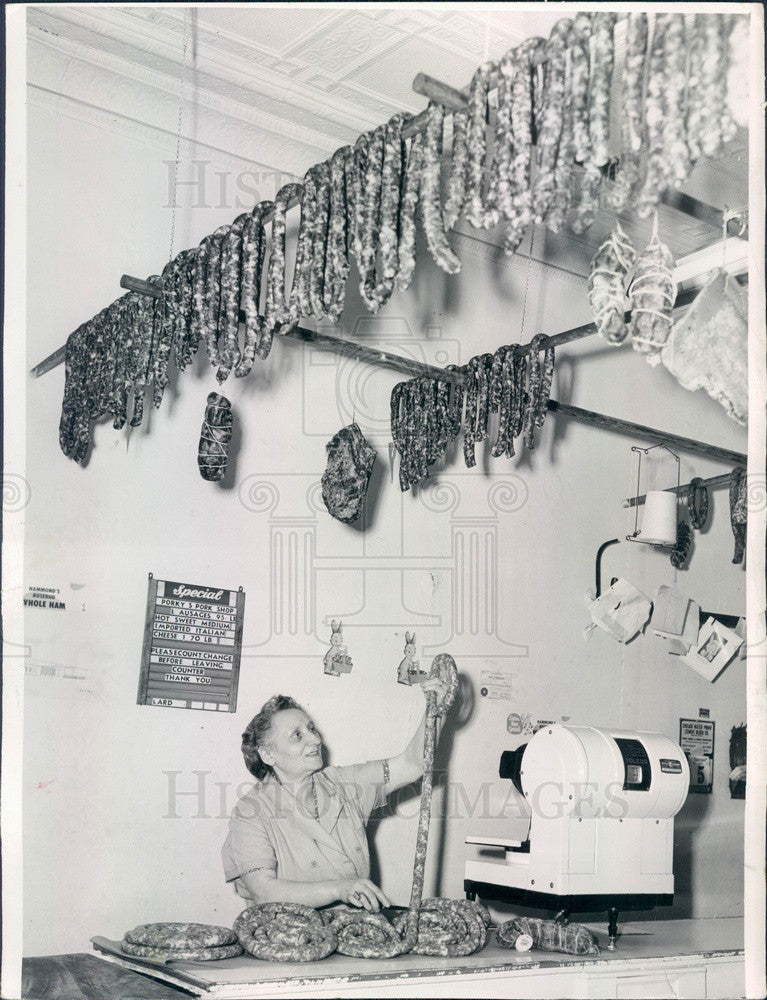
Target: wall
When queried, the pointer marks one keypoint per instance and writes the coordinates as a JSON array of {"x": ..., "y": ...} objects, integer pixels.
[{"x": 107, "y": 845}]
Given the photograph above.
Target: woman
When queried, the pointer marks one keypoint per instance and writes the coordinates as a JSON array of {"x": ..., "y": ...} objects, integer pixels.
[{"x": 299, "y": 835}]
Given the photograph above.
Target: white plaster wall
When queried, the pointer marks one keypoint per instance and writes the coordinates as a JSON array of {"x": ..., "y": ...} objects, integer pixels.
[{"x": 105, "y": 846}]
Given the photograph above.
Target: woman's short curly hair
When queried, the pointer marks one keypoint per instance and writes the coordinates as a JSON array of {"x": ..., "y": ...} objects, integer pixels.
[{"x": 257, "y": 731}]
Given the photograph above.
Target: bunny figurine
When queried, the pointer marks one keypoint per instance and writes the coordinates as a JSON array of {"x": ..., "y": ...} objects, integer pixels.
[
  {"x": 337, "y": 660},
  {"x": 408, "y": 669}
]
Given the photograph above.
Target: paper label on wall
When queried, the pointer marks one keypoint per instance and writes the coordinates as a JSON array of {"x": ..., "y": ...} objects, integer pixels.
[
  {"x": 519, "y": 724},
  {"x": 192, "y": 645},
  {"x": 45, "y": 597},
  {"x": 696, "y": 738},
  {"x": 497, "y": 685}
]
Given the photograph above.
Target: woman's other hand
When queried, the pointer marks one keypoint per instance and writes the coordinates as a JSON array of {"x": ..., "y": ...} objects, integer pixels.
[
  {"x": 362, "y": 892},
  {"x": 439, "y": 686}
]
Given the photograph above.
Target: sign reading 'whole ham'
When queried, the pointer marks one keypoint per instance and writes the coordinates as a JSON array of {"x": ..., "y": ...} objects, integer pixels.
[{"x": 192, "y": 646}]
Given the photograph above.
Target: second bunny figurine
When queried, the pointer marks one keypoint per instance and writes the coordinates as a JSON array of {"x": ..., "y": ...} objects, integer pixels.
[
  {"x": 409, "y": 671},
  {"x": 337, "y": 660}
]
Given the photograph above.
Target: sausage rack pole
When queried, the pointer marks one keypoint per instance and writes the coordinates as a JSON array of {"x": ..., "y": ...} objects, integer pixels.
[
  {"x": 408, "y": 366},
  {"x": 711, "y": 483},
  {"x": 370, "y": 355}
]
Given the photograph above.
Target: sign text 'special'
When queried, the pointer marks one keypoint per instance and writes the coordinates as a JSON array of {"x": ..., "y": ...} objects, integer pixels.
[{"x": 208, "y": 595}]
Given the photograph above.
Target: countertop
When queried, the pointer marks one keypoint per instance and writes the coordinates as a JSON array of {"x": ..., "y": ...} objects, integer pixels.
[{"x": 639, "y": 942}]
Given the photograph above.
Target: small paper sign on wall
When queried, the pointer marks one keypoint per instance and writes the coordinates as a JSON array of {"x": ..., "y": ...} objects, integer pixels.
[
  {"x": 696, "y": 738},
  {"x": 192, "y": 646}
]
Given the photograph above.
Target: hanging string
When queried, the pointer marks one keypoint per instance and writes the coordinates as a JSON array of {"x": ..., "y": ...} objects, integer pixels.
[
  {"x": 527, "y": 281},
  {"x": 654, "y": 237},
  {"x": 187, "y": 31}
]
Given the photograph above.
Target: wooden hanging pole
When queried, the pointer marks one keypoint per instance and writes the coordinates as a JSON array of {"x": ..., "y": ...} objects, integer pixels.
[
  {"x": 349, "y": 348},
  {"x": 408, "y": 366},
  {"x": 711, "y": 483},
  {"x": 648, "y": 433}
]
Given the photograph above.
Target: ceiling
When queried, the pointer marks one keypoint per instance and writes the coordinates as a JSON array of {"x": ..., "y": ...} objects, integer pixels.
[{"x": 287, "y": 84}]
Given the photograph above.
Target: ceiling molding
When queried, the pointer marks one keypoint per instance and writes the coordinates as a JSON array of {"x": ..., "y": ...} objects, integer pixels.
[
  {"x": 146, "y": 102},
  {"x": 146, "y": 41}
]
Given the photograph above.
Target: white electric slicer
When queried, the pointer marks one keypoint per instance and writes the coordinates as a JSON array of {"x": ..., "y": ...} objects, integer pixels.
[{"x": 601, "y": 826}]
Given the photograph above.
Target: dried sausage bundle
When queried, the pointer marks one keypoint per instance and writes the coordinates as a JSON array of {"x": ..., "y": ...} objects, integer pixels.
[
  {"x": 355, "y": 202},
  {"x": 540, "y": 372},
  {"x": 739, "y": 512},
  {"x": 656, "y": 112},
  {"x": 256, "y": 342},
  {"x": 300, "y": 303},
  {"x": 378, "y": 235},
  {"x": 609, "y": 272},
  {"x": 347, "y": 474},
  {"x": 507, "y": 396},
  {"x": 425, "y": 418},
  {"x": 215, "y": 435},
  {"x": 212, "y": 294},
  {"x": 278, "y": 311},
  {"x": 431, "y": 194},
  {"x": 162, "y": 339},
  {"x": 337, "y": 260},
  {"x": 107, "y": 358},
  {"x": 284, "y": 932},
  {"x": 716, "y": 124},
  {"x": 552, "y": 118},
  {"x": 361, "y": 934},
  {"x": 477, "y": 389},
  {"x": 652, "y": 292},
  {"x": 317, "y": 263},
  {"x": 565, "y": 167},
  {"x": 231, "y": 289},
  {"x": 599, "y": 86},
  {"x": 186, "y": 343},
  {"x": 632, "y": 120},
  {"x": 519, "y": 212},
  {"x": 459, "y": 158},
  {"x": 580, "y": 57},
  {"x": 478, "y": 211},
  {"x": 698, "y": 502},
  {"x": 177, "y": 942},
  {"x": 681, "y": 550},
  {"x": 593, "y": 127},
  {"x": 677, "y": 152},
  {"x": 411, "y": 192},
  {"x": 549, "y": 935},
  {"x": 451, "y": 928}
]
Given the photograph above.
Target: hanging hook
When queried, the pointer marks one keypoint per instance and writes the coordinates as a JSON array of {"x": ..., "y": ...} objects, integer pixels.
[{"x": 600, "y": 550}]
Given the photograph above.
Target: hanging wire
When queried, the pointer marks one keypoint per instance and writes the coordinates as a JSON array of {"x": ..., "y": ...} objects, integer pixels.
[
  {"x": 646, "y": 451},
  {"x": 527, "y": 281},
  {"x": 187, "y": 32}
]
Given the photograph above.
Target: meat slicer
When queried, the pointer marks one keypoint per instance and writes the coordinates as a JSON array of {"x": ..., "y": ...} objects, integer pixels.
[{"x": 601, "y": 827}]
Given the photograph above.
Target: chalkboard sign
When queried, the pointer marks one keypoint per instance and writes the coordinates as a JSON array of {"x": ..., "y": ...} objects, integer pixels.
[{"x": 192, "y": 645}]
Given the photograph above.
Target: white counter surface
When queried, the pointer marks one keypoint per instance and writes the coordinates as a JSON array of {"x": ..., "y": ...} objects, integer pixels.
[{"x": 650, "y": 954}]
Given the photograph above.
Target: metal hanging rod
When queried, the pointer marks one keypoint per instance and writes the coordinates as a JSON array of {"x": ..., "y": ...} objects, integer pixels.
[{"x": 711, "y": 483}]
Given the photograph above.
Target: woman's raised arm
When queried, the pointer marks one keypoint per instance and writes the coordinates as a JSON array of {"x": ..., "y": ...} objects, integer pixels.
[{"x": 408, "y": 766}]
